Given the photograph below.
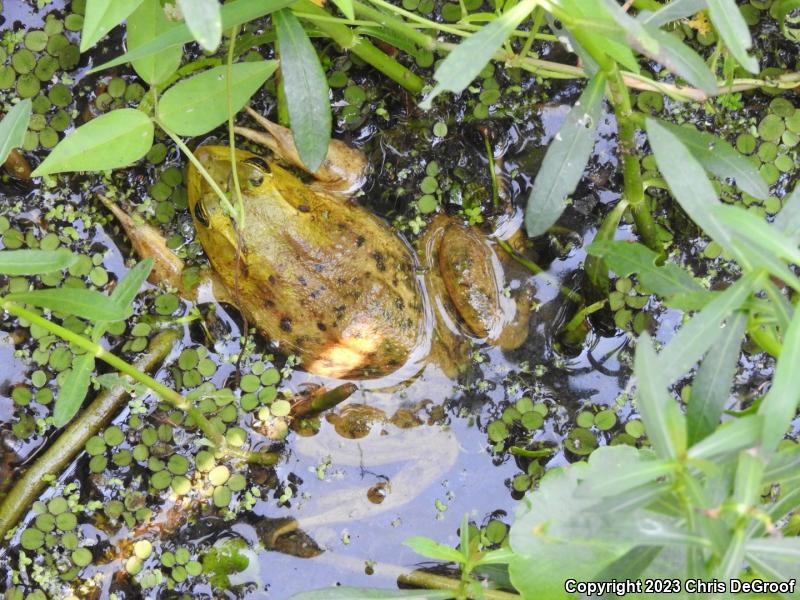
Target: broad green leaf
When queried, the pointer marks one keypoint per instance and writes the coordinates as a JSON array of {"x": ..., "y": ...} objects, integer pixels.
[
  {"x": 346, "y": 6},
  {"x": 13, "y": 128},
  {"x": 197, "y": 105},
  {"x": 712, "y": 384},
  {"x": 663, "y": 420},
  {"x": 732, "y": 436},
  {"x": 719, "y": 157},
  {"x": 633, "y": 467},
  {"x": 34, "y": 262},
  {"x": 464, "y": 63},
  {"x": 754, "y": 228},
  {"x": 73, "y": 390},
  {"x": 101, "y": 17},
  {"x": 87, "y": 304},
  {"x": 233, "y": 14},
  {"x": 780, "y": 404},
  {"x": 432, "y": 549},
  {"x": 626, "y": 258},
  {"x": 351, "y": 593},
  {"x": 704, "y": 329},
  {"x": 565, "y": 160},
  {"x": 729, "y": 22},
  {"x": 666, "y": 49},
  {"x": 204, "y": 21},
  {"x": 306, "y": 88},
  {"x": 788, "y": 219},
  {"x": 144, "y": 25},
  {"x": 675, "y": 10},
  {"x": 630, "y": 566},
  {"x": 115, "y": 139}
]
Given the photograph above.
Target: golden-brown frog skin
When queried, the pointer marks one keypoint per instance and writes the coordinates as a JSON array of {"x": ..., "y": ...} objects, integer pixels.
[
  {"x": 320, "y": 275},
  {"x": 331, "y": 282}
]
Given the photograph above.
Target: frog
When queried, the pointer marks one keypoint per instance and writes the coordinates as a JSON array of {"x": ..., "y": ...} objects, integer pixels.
[{"x": 329, "y": 281}]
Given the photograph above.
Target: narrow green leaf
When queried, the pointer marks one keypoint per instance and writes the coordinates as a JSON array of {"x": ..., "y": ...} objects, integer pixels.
[
  {"x": 626, "y": 258},
  {"x": 501, "y": 556},
  {"x": 144, "y": 25},
  {"x": 641, "y": 472},
  {"x": 464, "y": 63},
  {"x": 719, "y": 157},
  {"x": 729, "y": 22},
  {"x": 788, "y": 219},
  {"x": 13, "y": 128},
  {"x": 306, "y": 88},
  {"x": 787, "y": 548},
  {"x": 749, "y": 474},
  {"x": 666, "y": 49},
  {"x": 675, "y": 10},
  {"x": 712, "y": 384},
  {"x": 704, "y": 329},
  {"x": 630, "y": 566},
  {"x": 101, "y": 17},
  {"x": 197, "y": 105},
  {"x": 129, "y": 286},
  {"x": 754, "y": 228},
  {"x": 34, "y": 262},
  {"x": 87, "y": 304},
  {"x": 233, "y": 14},
  {"x": 565, "y": 160},
  {"x": 784, "y": 465},
  {"x": 351, "y": 593},
  {"x": 204, "y": 21},
  {"x": 346, "y": 6},
  {"x": 663, "y": 420},
  {"x": 115, "y": 139},
  {"x": 732, "y": 436},
  {"x": 72, "y": 391},
  {"x": 779, "y": 406},
  {"x": 432, "y": 549},
  {"x": 731, "y": 564}
]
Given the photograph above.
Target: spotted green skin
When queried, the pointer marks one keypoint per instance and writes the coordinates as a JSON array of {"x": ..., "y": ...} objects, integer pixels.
[{"x": 321, "y": 276}]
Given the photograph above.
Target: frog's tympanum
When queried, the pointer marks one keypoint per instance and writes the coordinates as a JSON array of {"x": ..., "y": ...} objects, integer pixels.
[{"x": 334, "y": 284}]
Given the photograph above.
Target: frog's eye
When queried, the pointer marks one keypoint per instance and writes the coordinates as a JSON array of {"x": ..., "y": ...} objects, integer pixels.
[
  {"x": 200, "y": 214},
  {"x": 256, "y": 177}
]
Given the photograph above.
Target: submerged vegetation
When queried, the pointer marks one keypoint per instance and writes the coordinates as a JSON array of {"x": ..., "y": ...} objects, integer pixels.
[{"x": 154, "y": 445}]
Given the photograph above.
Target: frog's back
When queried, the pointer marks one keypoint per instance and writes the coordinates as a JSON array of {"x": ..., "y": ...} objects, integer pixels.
[{"x": 327, "y": 280}]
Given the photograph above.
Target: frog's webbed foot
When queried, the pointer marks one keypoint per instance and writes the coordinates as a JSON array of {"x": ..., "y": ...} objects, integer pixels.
[{"x": 343, "y": 170}]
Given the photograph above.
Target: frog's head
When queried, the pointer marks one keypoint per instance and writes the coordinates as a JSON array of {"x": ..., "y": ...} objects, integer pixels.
[{"x": 212, "y": 219}]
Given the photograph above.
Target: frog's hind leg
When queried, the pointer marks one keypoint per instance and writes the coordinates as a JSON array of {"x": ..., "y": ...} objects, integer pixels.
[{"x": 343, "y": 170}]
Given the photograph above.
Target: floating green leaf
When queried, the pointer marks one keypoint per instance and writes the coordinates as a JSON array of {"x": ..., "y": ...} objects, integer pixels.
[
  {"x": 626, "y": 258},
  {"x": 204, "y": 21},
  {"x": 115, "y": 139},
  {"x": 712, "y": 384},
  {"x": 145, "y": 25},
  {"x": 565, "y": 160},
  {"x": 464, "y": 63},
  {"x": 730, "y": 24},
  {"x": 87, "y": 304},
  {"x": 722, "y": 159},
  {"x": 35, "y": 262},
  {"x": 13, "y": 128},
  {"x": 233, "y": 14},
  {"x": 102, "y": 16},
  {"x": 663, "y": 420},
  {"x": 306, "y": 88},
  {"x": 197, "y": 105}
]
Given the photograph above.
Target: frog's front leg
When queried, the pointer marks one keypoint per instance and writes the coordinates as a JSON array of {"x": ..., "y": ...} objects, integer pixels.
[
  {"x": 343, "y": 170},
  {"x": 168, "y": 268}
]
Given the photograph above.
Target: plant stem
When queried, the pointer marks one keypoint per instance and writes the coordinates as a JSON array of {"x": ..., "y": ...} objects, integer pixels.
[
  {"x": 537, "y": 270},
  {"x": 595, "y": 267},
  {"x": 429, "y": 581},
  {"x": 200, "y": 169},
  {"x": 365, "y": 50},
  {"x": 167, "y": 394},
  {"x": 234, "y": 171},
  {"x": 72, "y": 440}
]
